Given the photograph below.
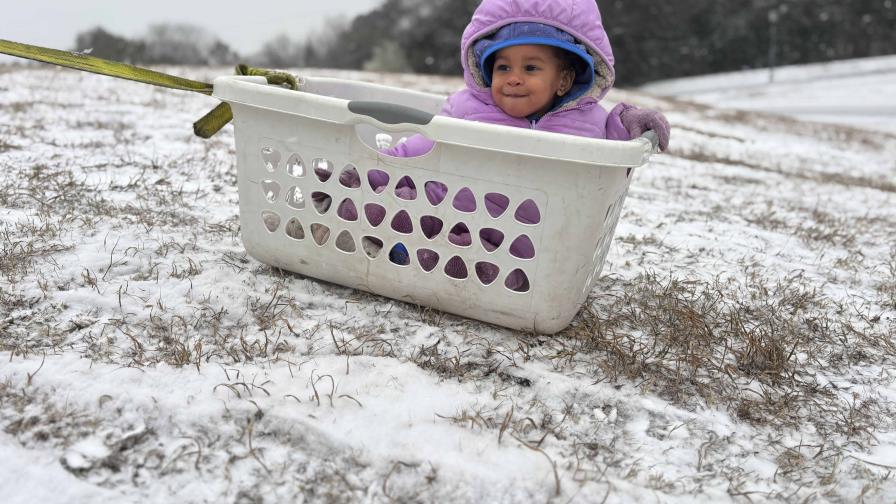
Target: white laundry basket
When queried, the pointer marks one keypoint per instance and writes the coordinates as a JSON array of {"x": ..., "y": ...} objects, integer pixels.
[{"x": 578, "y": 186}]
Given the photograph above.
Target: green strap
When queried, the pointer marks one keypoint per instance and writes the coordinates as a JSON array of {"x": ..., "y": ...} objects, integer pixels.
[
  {"x": 211, "y": 123},
  {"x": 273, "y": 76},
  {"x": 205, "y": 127},
  {"x": 101, "y": 66}
]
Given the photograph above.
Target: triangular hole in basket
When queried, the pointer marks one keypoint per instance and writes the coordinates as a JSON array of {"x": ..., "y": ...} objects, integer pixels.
[
  {"x": 271, "y": 158},
  {"x": 271, "y": 220},
  {"x": 431, "y": 226},
  {"x": 347, "y": 210},
  {"x": 517, "y": 281},
  {"x": 427, "y": 259},
  {"x": 378, "y": 180},
  {"x": 321, "y": 201},
  {"x": 271, "y": 190},
  {"x": 346, "y": 242},
  {"x": 487, "y": 272},
  {"x": 372, "y": 246},
  {"x": 496, "y": 204},
  {"x": 322, "y": 168},
  {"x": 491, "y": 238},
  {"x": 375, "y": 214},
  {"x": 435, "y": 192},
  {"x": 464, "y": 201},
  {"x": 295, "y": 199},
  {"x": 456, "y": 268},
  {"x": 528, "y": 213},
  {"x": 320, "y": 233},
  {"x": 349, "y": 177},
  {"x": 406, "y": 189},
  {"x": 522, "y": 248},
  {"x": 401, "y": 223},
  {"x": 399, "y": 255},
  {"x": 295, "y": 230},
  {"x": 295, "y": 167},
  {"x": 460, "y": 235}
]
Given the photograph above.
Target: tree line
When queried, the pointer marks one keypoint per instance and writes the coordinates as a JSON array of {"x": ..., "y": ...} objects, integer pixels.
[{"x": 651, "y": 40}]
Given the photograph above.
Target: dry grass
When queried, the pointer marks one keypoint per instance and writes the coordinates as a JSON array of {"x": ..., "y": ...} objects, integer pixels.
[
  {"x": 137, "y": 456},
  {"x": 756, "y": 349},
  {"x": 843, "y": 179},
  {"x": 886, "y": 287}
]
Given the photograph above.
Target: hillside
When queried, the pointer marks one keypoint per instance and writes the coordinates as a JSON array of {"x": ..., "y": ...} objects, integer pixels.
[{"x": 739, "y": 347}]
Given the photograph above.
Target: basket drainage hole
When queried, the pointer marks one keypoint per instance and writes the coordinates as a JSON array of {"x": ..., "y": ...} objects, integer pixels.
[
  {"x": 271, "y": 190},
  {"x": 323, "y": 168},
  {"x": 522, "y": 248},
  {"x": 491, "y": 239},
  {"x": 295, "y": 167},
  {"x": 349, "y": 177},
  {"x": 428, "y": 259},
  {"x": 347, "y": 210},
  {"x": 435, "y": 192},
  {"x": 321, "y": 201},
  {"x": 346, "y": 242},
  {"x": 464, "y": 201},
  {"x": 372, "y": 246},
  {"x": 320, "y": 233},
  {"x": 378, "y": 180},
  {"x": 406, "y": 189},
  {"x": 487, "y": 272},
  {"x": 399, "y": 255},
  {"x": 456, "y": 268},
  {"x": 401, "y": 223},
  {"x": 295, "y": 199},
  {"x": 496, "y": 204},
  {"x": 295, "y": 230},
  {"x": 517, "y": 281},
  {"x": 431, "y": 226},
  {"x": 460, "y": 235},
  {"x": 271, "y": 220},
  {"x": 527, "y": 213},
  {"x": 375, "y": 214},
  {"x": 271, "y": 158}
]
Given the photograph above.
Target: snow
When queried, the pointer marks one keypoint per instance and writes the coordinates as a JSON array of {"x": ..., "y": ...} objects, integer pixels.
[
  {"x": 858, "y": 92},
  {"x": 144, "y": 357}
]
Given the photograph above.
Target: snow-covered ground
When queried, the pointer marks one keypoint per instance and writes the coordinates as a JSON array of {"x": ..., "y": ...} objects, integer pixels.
[
  {"x": 858, "y": 92},
  {"x": 739, "y": 348}
]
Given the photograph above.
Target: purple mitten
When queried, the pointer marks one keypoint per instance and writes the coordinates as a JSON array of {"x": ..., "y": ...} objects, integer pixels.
[{"x": 637, "y": 121}]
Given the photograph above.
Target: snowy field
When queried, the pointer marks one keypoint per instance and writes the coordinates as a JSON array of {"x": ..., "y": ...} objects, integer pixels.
[
  {"x": 739, "y": 347},
  {"x": 858, "y": 92}
]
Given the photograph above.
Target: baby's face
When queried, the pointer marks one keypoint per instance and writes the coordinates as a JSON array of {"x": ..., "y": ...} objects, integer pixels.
[{"x": 527, "y": 78}]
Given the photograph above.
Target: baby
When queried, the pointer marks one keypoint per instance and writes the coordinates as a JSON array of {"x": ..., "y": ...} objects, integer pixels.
[{"x": 544, "y": 65}]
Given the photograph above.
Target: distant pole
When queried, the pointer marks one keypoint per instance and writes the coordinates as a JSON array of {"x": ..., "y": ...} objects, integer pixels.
[{"x": 772, "y": 43}]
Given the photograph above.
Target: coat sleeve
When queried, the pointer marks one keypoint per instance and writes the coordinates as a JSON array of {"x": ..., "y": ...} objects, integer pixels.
[
  {"x": 615, "y": 129},
  {"x": 418, "y": 145}
]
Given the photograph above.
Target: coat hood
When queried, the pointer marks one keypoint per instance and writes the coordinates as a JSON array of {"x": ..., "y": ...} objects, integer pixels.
[{"x": 579, "y": 18}]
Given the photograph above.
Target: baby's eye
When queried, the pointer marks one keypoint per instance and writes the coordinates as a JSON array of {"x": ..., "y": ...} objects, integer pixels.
[
  {"x": 501, "y": 67},
  {"x": 531, "y": 68}
]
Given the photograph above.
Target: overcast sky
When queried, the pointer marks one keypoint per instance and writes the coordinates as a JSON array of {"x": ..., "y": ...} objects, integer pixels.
[{"x": 244, "y": 25}]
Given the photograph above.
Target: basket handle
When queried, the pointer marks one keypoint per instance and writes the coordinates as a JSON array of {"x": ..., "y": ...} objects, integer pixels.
[{"x": 390, "y": 113}]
